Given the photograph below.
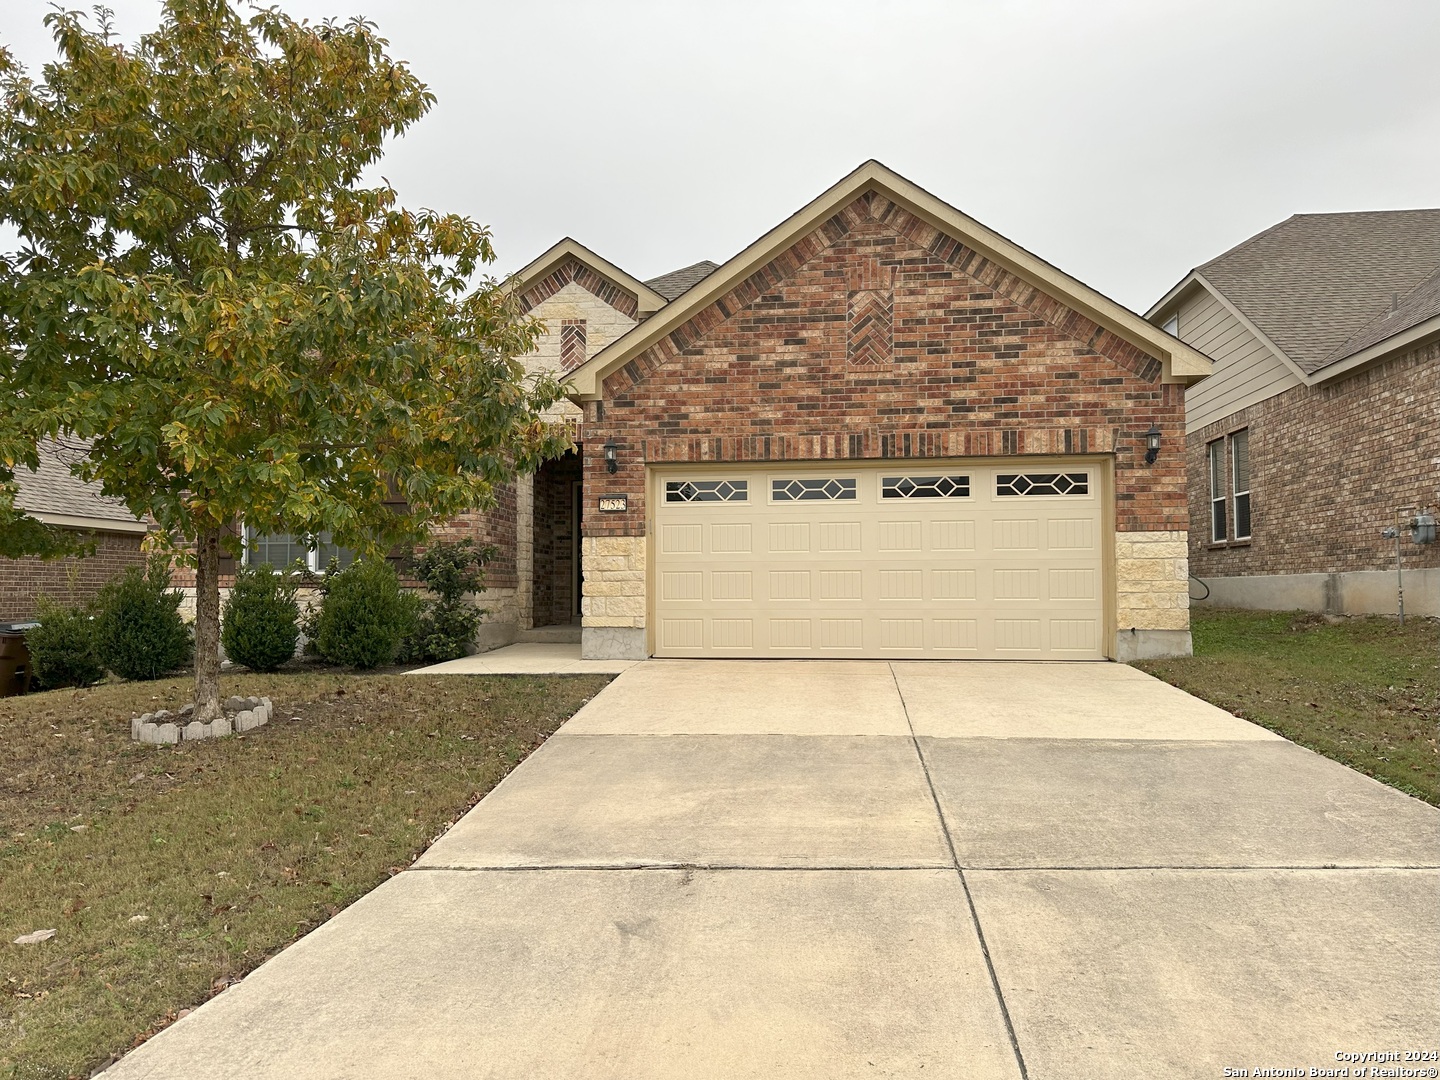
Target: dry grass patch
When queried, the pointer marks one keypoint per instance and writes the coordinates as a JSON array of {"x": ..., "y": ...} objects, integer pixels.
[
  {"x": 170, "y": 872},
  {"x": 1363, "y": 691}
]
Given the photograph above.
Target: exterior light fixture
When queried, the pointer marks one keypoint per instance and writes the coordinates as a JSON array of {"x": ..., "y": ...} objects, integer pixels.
[
  {"x": 611, "y": 460},
  {"x": 1152, "y": 445}
]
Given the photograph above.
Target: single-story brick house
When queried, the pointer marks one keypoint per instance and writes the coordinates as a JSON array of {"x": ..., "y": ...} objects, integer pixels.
[
  {"x": 53, "y": 495},
  {"x": 881, "y": 430},
  {"x": 1320, "y": 426}
]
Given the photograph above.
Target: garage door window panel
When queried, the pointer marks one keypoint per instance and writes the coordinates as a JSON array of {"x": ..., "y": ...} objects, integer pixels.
[
  {"x": 1009, "y": 484},
  {"x": 925, "y": 487},
  {"x": 707, "y": 491},
  {"x": 818, "y": 489}
]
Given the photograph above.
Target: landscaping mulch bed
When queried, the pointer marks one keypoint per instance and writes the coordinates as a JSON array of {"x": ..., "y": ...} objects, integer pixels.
[
  {"x": 1363, "y": 691},
  {"x": 169, "y": 872}
]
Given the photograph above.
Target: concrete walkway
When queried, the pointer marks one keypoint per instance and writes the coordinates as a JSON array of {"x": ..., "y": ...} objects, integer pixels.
[{"x": 828, "y": 870}]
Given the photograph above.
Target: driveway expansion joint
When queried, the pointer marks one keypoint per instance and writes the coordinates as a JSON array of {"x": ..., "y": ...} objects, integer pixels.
[{"x": 964, "y": 885}]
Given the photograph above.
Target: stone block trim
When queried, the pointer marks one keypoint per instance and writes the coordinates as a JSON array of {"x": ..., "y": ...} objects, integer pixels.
[
  {"x": 614, "y": 590},
  {"x": 572, "y": 270},
  {"x": 980, "y": 364},
  {"x": 1152, "y": 581},
  {"x": 1329, "y": 465}
]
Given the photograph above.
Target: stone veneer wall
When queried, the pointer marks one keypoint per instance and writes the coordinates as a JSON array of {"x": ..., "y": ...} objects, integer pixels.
[
  {"x": 613, "y": 600},
  {"x": 1152, "y": 592}
]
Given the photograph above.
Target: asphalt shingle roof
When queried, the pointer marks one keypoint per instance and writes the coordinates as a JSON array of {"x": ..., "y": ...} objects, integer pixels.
[
  {"x": 676, "y": 282},
  {"x": 53, "y": 489},
  {"x": 1321, "y": 286}
]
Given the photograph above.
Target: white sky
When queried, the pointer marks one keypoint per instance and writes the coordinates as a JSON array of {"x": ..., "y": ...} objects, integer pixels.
[{"x": 1123, "y": 140}]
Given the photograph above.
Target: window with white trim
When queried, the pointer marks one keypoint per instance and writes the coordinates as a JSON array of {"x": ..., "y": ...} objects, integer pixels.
[
  {"x": 924, "y": 487},
  {"x": 686, "y": 491},
  {"x": 1219, "y": 528},
  {"x": 283, "y": 551},
  {"x": 1240, "y": 481}
]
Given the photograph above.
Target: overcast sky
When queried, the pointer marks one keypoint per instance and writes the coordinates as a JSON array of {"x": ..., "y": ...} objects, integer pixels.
[{"x": 1123, "y": 141}]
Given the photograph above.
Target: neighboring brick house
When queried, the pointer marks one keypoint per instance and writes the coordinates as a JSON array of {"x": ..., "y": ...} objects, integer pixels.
[
  {"x": 54, "y": 495},
  {"x": 1322, "y": 418},
  {"x": 884, "y": 430}
]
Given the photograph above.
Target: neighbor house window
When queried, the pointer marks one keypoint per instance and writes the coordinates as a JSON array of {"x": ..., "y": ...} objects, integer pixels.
[
  {"x": 1240, "y": 478},
  {"x": 1172, "y": 325},
  {"x": 282, "y": 550},
  {"x": 1219, "y": 530}
]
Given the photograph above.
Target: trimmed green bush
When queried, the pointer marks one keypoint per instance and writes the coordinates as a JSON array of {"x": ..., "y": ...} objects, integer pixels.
[
  {"x": 260, "y": 623},
  {"x": 138, "y": 630},
  {"x": 363, "y": 616},
  {"x": 445, "y": 628},
  {"x": 62, "y": 647}
]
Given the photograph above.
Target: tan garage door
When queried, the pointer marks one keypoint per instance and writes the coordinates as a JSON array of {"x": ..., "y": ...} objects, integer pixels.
[{"x": 985, "y": 561}]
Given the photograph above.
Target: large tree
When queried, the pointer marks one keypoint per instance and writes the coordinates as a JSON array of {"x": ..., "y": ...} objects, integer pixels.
[{"x": 208, "y": 291}]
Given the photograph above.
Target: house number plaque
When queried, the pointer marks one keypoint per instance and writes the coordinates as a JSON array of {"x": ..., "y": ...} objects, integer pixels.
[{"x": 614, "y": 504}]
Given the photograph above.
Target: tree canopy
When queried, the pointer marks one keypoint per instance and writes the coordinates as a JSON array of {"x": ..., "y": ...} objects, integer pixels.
[{"x": 209, "y": 290}]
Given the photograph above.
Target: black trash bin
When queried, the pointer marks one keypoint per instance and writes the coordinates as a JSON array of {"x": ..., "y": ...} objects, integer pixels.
[{"x": 14, "y": 659}]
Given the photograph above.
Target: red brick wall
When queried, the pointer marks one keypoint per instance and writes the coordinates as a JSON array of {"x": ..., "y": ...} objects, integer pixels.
[
  {"x": 65, "y": 581},
  {"x": 494, "y": 526},
  {"x": 975, "y": 362},
  {"x": 1329, "y": 465}
]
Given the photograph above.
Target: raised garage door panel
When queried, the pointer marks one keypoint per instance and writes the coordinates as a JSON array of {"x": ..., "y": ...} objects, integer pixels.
[{"x": 925, "y": 560}]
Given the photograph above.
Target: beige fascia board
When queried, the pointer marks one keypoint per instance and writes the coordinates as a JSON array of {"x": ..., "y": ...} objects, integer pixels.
[
  {"x": 91, "y": 524},
  {"x": 1185, "y": 285},
  {"x": 1416, "y": 335},
  {"x": 1181, "y": 362},
  {"x": 647, "y": 299}
]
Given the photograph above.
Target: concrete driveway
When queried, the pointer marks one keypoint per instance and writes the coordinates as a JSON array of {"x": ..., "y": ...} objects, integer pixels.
[{"x": 810, "y": 869}]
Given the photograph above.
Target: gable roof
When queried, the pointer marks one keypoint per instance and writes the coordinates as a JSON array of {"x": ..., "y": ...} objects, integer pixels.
[
  {"x": 56, "y": 496},
  {"x": 676, "y": 282},
  {"x": 1179, "y": 361},
  {"x": 1323, "y": 288},
  {"x": 647, "y": 299}
]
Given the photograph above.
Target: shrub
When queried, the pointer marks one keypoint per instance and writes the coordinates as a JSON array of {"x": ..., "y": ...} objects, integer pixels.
[
  {"x": 62, "y": 647},
  {"x": 363, "y": 615},
  {"x": 260, "y": 623},
  {"x": 445, "y": 627},
  {"x": 138, "y": 630}
]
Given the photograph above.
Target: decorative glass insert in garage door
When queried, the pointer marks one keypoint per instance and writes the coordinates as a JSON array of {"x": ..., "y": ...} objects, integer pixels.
[
  {"x": 925, "y": 487},
  {"x": 817, "y": 490},
  {"x": 1042, "y": 484},
  {"x": 691, "y": 491}
]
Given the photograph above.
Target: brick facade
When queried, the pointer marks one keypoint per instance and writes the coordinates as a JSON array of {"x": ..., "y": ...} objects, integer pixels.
[
  {"x": 1329, "y": 465},
  {"x": 70, "y": 581},
  {"x": 979, "y": 362}
]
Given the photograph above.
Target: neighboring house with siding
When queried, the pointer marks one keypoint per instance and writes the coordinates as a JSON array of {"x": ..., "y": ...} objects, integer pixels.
[
  {"x": 1322, "y": 417},
  {"x": 54, "y": 495}
]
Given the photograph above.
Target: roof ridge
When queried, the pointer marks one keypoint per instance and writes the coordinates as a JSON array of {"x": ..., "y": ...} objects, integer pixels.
[{"x": 1245, "y": 243}]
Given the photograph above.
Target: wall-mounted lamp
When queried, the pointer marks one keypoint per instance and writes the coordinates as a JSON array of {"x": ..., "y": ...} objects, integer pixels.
[
  {"x": 1152, "y": 445},
  {"x": 611, "y": 459}
]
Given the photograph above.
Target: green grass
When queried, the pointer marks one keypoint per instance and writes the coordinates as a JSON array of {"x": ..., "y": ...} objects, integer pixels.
[
  {"x": 171, "y": 872},
  {"x": 1362, "y": 691}
]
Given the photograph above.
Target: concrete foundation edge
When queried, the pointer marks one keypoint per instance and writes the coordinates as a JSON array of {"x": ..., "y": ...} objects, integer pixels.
[
  {"x": 1151, "y": 644},
  {"x": 1356, "y": 592},
  {"x": 613, "y": 643}
]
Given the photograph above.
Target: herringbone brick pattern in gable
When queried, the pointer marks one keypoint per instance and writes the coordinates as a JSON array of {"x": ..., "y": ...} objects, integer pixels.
[{"x": 870, "y": 327}]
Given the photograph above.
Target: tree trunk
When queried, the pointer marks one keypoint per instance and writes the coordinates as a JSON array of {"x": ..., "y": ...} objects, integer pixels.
[{"x": 207, "y": 626}]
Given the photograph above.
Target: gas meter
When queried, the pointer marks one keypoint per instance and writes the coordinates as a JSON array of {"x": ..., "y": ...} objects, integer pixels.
[{"x": 1422, "y": 528}]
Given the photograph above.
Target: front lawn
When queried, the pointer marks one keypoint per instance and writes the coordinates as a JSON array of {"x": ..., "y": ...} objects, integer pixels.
[
  {"x": 1360, "y": 690},
  {"x": 169, "y": 872}
]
